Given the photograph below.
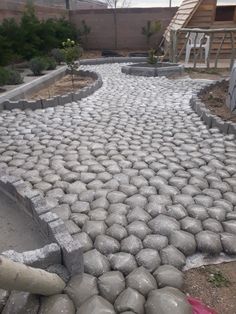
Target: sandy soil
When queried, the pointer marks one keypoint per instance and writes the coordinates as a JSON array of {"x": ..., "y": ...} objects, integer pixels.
[
  {"x": 61, "y": 87},
  {"x": 214, "y": 285},
  {"x": 17, "y": 230}
]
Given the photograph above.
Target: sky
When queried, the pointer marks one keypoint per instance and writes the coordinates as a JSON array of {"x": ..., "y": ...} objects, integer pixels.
[{"x": 165, "y": 3}]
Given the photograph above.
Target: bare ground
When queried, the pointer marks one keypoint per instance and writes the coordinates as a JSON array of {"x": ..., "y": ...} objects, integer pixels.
[
  {"x": 62, "y": 86},
  {"x": 214, "y": 285}
]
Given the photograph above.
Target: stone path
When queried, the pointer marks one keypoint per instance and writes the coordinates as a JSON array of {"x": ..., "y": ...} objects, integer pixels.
[{"x": 139, "y": 180}]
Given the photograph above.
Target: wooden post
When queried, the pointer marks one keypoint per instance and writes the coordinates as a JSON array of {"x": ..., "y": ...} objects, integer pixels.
[
  {"x": 219, "y": 49},
  {"x": 17, "y": 276},
  {"x": 233, "y": 50},
  {"x": 175, "y": 49}
]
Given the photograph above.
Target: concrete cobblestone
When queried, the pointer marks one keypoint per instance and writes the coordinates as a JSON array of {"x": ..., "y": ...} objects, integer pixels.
[{"x": 136, "y": 175}]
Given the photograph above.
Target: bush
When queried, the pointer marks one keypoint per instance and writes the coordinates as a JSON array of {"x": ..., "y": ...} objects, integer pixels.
[
  {"x": 37, "y": 65},
  {"x": 31, "y": 37},
  {"x": 14, "y": 78},
  {"x": 9, "y": 77},
  {"x": 3, "y": 76},
  {"x": 50, "y": 63},
  {"x": 58, "y": 55}
]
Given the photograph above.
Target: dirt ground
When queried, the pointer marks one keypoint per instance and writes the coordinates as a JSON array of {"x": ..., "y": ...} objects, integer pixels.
[
  {"x": 61, "y": 87},
  {"x": 215, "y": 100},
  {"x": 214, "y": 285}
]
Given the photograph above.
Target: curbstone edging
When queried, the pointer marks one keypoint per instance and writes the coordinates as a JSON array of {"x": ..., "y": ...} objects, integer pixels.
[
  {"x": 8, "y": 104},
  {"x": 65, "y": 250},
  {"x": 210, "y": 119}
]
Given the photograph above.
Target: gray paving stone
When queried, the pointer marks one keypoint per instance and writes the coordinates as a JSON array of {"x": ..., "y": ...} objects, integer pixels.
[
  {"x": 111, "y": 284},
  {"x": 95, "y": 263},
  {"x": 209, "y": 242},
  {"x": 130, "y": 299},
  {"x": 148, "y": 258},
  {"x": 96, "y": 305},
  {"x": 169, "y": 276},
  {"x": 139, "y": 229},
  {"x": 163, "y": 225},
  {"x": 106, "y": 245},
  {"x": 141, "y": 280},
  {"x": 172, "y": 256},
  {"x": 94, "y": 228},
  {"x": 59, "y": 303},
  {"x": 167, "y": 300},
  {"x": 132, "y": 244},
  {"x": 123, "y": 262}
]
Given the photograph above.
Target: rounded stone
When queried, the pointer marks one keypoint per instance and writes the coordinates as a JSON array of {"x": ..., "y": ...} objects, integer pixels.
[
  {"x": 94, "y": 228},
  {"x": 212, "y": 225},
  {"x": 85, "y": 242},
  {"x": 208, "y": 242},
  {"x": 149, "y": 259},
  {"x": 115, "y": 218},
  {"x": 106, "y": 245},
  {"x": 81, "y": 287},
  {"x": 191, "y": 225},
  {"x": 155, "y": 241},
  {"x": 95, "y": 263},
  {"x": 176, "y": 211},
  {"x": 111, "y": 284},
  {"x": 131, "y": 244},
  {"x": 167, "y": 300},
  {"x": 228, "y": 241},
  {"x": 130, "y": 300},
  {"x": 164, "y": 225},
  {"x": 138, "y": 214},
  {"x": 172, "y": 256},
  {"x": 116, "y": 197},
  {"x": 197, "y": 211},
  {"x": 183, "y": 241},
  {"x": 136, "y": 200},
  {"x": 117, "y": 232},
  {"x": 229, "y": 226},
  {"x": 96, "y": 305},
  {"x": 56, "y": 304},
  {"x": 168, "y": 275},
  {"x": 138, "y": 228},
  {"x": 141, "y": 280},
  {"x": 123, "y": 262}
]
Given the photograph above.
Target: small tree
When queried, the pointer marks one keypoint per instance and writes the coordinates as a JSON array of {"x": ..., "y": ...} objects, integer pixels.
[
  {"x": 72, "y": 53},
  {"x": 114, "y": 4},
  {"x": 83, "y": 32},
  {"x": 150, "y": 29}
]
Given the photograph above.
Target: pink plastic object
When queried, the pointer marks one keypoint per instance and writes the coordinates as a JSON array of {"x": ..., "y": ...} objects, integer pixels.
[{"x": 200, "y": 308}]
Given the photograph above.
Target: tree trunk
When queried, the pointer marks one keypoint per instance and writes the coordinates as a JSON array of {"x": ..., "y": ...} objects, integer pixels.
[
  {"x": 115, "y": 26},
  {"x": 17, "y": 276}
]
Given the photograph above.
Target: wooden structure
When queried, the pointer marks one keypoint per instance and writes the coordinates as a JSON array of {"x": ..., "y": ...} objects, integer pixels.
[{"x": 207, "y": 16}]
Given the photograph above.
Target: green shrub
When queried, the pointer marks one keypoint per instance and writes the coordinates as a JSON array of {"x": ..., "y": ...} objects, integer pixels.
[
  {"x": 3, "y": 76},
  {"x": 14, "y": 78},
  {"x": 31, "y": 37},
  {"x": 152, "y": 57},
  {"x": 37, "y": 65},
  {"x": 9, "y": 77},
  {"x": 50, "y": 63},
  {"x": 58, "y": 55}
]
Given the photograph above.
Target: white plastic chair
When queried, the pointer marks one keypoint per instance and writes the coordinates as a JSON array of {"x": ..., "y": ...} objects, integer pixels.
[{"x": 197, "y": 39}]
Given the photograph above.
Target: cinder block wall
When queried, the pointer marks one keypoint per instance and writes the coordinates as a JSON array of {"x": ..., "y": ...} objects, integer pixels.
[{"x": 129, "y": 24}]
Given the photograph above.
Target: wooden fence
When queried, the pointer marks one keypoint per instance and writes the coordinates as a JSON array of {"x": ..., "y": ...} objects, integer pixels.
[{"x": 179, "y": 41}]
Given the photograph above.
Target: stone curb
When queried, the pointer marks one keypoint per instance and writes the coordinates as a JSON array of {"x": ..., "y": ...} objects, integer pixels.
[
  {"x": 12, "y": 100},
  {"x": 137, "y": 70},
  {"x": 211, "y": 120},
  {"x": 63, "y": 249},
  {"x": 112, "y": 60}
]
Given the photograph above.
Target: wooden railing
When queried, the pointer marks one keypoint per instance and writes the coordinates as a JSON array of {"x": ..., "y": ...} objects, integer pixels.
[{"x": 177, "y": 47}]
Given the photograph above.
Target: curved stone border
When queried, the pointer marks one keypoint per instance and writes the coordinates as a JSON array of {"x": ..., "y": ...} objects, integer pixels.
[
  {"x": 64, "y": 249},
  {"x": 12, "y": 100},
  {"x": 138, "y": 70},
  {"x": 210, "y": 119}
]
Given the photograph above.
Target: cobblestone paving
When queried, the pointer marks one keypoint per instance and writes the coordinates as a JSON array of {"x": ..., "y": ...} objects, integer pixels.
[{"x": 137, "y": 177}]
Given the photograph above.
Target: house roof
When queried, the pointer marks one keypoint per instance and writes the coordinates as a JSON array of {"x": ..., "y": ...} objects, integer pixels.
[{"x": 182, "y": 16}]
